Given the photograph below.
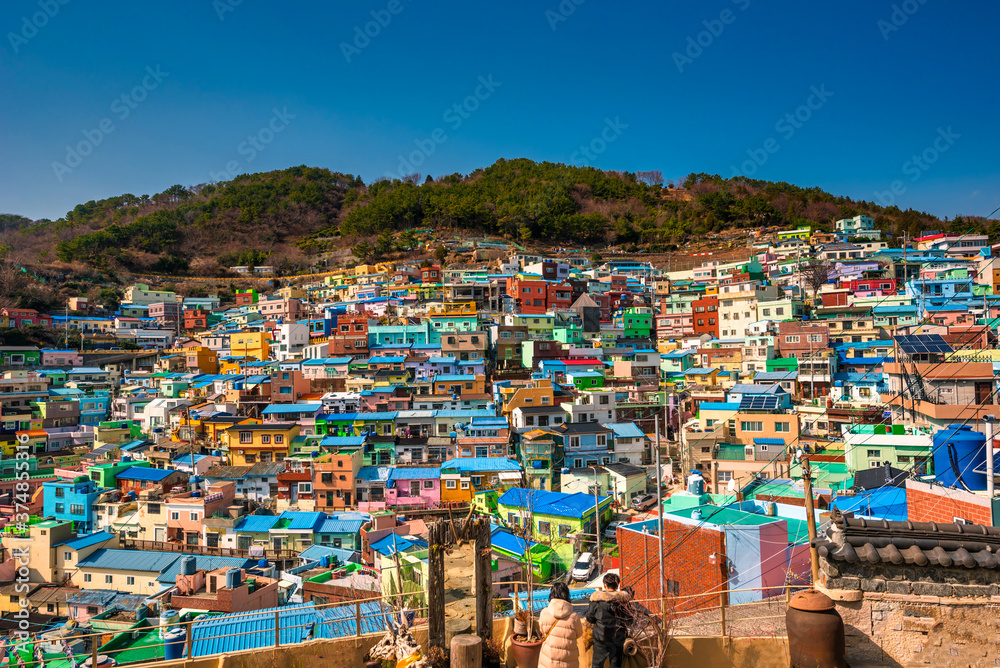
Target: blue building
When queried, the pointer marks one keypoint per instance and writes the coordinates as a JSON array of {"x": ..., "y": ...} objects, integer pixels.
[
  {"x": 585, "y": 444},
  {"x": 72, "y": 501}
]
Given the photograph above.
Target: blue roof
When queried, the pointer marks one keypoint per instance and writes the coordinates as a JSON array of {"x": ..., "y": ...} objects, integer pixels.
[
  {"x": 394, "y": 359},
  {"x": 886, "y": 503},
  {"x": 450, "y": 377},
  {"x": 87, "y": 541},
  {"x": 850, "y": 377},
  {"x": 301, "y": 521},
  {"x": 480, "y": 464},
  {"x": 341, "y": 441},
  {"x": 769, "y": 441},
  {"x": 98, "y": 597},
  {"x": 625, "y": 430},
  {"x": 145, "y": 473},
  {"x": 332, "y": 525},
  {"x": 718, "y": 406},
  {"x": 133, "y": 560},
  {"x": 374, "y": 473},
  {"x": 282, "y": 409},
  {"x": 552, "y": 503},
  {"x": 190, "y": 458},
  {"x": 699, "y": 372},
  {"x": 252, "y": 630},
  {"x": 507, "y": 541},
  {"x": 316, "y": 552},
  {"x": 441, "y": 360},
  {"x": 340, "y": 621},
  {"x": 393, "y": 543},
  {"x": 257, "y": 523},
  {"x": 428, "y": 473}
]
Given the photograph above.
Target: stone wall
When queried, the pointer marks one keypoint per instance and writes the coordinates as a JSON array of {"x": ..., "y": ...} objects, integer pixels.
[{"x": 907, "y": 615}]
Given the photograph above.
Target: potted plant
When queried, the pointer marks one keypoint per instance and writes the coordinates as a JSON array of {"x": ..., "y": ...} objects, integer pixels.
[{"x": 526, "y": 645}]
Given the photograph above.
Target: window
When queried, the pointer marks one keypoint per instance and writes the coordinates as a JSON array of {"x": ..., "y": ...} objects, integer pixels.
[
  {"x": 60, "y": 508},
  {"x": 67, "y": 556},
  {"x": 544, "y": 528},
  {"x": 574, "y": 441},
  {"x": 246, "y": 437},
  {"x": 87, "y": 577},
  {"x": 129, "y": 580},
  {"x": 194, "y": 517},
  {"x": 175, "y": 515},
  {"x": 109, "y": 579},
  {"x": 76, "y": 509},
  {"x": 305, "y": 488},
  {"x": 450, "y": 484},
  {"x": 279, "y": 439},
  {"x": 465, "y": 484},
  {"x": 751, "y": 426},
  {"x": 265, "y": 438},
  {"x": 874, "y": 453},
  {"x": 428, "y": 484},
  {"x": 791, "y": 339},
  {"x": 725, "y": 476},
  {"x": 563, "y": 530},
  {"x": 783, "y": 427},
  {"x": 153, "y": 508},
  {"x": 60, "y": 492}
]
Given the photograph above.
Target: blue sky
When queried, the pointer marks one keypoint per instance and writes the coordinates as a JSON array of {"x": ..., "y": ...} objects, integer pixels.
[{"x": 192, "y": 90}]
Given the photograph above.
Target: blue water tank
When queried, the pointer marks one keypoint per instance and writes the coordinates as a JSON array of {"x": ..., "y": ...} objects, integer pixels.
[
  {"x": 262, "y": 563},
  {"x": 173, "y": 644},
  {"x": 233, "y": 578},
  {"x": 958, "y": 451}
]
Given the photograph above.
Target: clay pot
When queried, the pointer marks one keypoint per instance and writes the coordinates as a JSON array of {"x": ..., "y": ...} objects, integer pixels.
[{"x": 526, "y": 653}]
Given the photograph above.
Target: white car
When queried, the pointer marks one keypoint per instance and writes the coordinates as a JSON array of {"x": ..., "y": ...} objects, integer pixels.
[{"x": 584, "y": 568}]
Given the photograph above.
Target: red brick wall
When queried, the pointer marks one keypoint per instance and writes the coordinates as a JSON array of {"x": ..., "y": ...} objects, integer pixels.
[
  {"x": 932, "y": 503},
  {"x": 686, "y": 564}
]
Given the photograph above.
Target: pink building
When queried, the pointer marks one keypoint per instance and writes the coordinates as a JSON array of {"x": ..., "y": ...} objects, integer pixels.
[
  {"x": 289, "y": 310},
  {"x": 52, "y": 357},
  {"x": 417, "y": 486},
  {"x": 186, "y": 512}
]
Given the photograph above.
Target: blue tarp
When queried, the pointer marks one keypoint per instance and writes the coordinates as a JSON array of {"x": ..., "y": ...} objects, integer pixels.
[{"x": 884, "y": 503}]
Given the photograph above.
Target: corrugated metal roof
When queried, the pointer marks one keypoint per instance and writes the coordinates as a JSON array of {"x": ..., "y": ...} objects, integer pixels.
[
  {"x": 87, "y": 541},
  {"x": 252, "y": 630},
  {"x": 146, "y": 474},
  {"x": 281, "y": 409},
  {"x": 340, "y": 621},
  {"x": 374, "y": 473},
  {"x": 132, "y": 560},
  {"x": 332, "y": 525},
  {"x": 315, "y": 552},
  {"x": 294, "y": 520},
  {"x": 257, "y": 523},
  {"x": 99, "y": 597},
  {"x": 480, "y": 464},
  {"x": 428, "y": 473}
]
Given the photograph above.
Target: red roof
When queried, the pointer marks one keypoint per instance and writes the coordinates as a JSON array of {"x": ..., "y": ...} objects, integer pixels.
[{"x": 588, "y": 360}]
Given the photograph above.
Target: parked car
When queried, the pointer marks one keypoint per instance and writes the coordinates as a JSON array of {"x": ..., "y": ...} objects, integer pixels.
[
  {"x": 584, "y": 568},
  {"x": 611, "y": 532},
  {"x": 644, "y": 502}
]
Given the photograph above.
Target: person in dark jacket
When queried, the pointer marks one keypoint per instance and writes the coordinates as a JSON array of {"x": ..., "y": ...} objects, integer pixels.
[{"x": 609, "y": 614}]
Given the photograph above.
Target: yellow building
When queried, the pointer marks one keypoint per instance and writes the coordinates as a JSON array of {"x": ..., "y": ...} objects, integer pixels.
[
  {"x": 201, "y": 359},
  {"x": 250, "y": 344},
  {"x": 456, "y": 486},
  {"x": 249, "y": 444},
  {"x": 530, "y": 397}
]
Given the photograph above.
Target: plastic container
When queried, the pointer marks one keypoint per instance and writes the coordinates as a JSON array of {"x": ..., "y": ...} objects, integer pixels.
[
  {"x": 958, "y": 452},
  {"x": 173, "y": 644}
]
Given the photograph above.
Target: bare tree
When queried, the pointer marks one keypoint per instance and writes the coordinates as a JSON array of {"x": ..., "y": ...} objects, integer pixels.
[
  {"x": 653, "y": 177},
  {"x": 815, "y": 276}
]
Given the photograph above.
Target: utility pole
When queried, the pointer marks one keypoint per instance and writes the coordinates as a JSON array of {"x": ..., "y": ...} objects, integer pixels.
[
  {"x": 659, "y": 516},
  {"x": 810, "y": 521},
  {"x": 597, "y": 516}
]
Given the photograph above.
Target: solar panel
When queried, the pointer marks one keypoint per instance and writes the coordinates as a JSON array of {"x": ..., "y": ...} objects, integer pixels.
[
  {"x": 759, "y": 403},
  {"x": 923, "y": 344}
]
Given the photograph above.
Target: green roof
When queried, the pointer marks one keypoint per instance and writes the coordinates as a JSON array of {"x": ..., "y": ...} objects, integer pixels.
[
  {"x": 798, "y": 531},
  {"x": 731, "y": 453}
]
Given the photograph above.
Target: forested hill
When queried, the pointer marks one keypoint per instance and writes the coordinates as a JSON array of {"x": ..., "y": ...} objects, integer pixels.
[{"x": 281, "y": 217}]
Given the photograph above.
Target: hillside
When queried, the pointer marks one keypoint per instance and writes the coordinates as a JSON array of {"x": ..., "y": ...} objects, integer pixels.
[{"x": 281, "y": 218}]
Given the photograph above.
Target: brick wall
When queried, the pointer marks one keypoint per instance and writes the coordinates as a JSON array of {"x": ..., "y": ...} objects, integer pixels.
[
  {"x": 686, "y": 564},
  {"x": 933, "y": 503}
]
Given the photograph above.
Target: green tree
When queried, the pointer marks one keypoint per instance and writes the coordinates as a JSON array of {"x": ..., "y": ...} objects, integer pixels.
[
  {"x": 440, "y": 253},
  {"x": 364, "y": 251}
]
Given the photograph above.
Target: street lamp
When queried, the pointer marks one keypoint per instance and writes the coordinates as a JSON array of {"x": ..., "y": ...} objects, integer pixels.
[{"x": 597, "y": 517}]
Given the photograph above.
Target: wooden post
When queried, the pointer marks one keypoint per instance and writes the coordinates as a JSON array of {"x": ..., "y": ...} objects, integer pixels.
[
  {"x": 94, "y": 642},
  {"x": 435, "y": 585},
  {"x": 466, "y": 651},
  {"x": 484, "y": 580},
  {"x": 277, "y": 629},
  {"x": 357, "y": 617},
  {"x": 810, "y": 520},
  {"x": 190, "y": 640},
  {"x": 722, "y": 609}
]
